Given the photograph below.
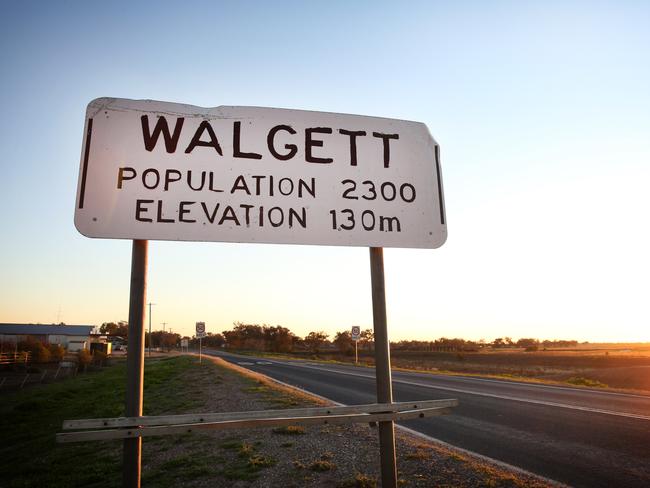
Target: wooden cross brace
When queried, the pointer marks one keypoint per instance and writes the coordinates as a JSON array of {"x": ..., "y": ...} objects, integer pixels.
[{"x": 148, "y": 426}]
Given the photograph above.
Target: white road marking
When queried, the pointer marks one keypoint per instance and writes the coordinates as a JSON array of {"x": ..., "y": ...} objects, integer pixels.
[
  {"x": 489, "y": 395},
  {"x": 245, "y": 364},
  {"x": 536, "y": 385}
]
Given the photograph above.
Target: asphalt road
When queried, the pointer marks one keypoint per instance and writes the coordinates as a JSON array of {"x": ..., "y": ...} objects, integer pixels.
[{"x": 574, "y": 436}]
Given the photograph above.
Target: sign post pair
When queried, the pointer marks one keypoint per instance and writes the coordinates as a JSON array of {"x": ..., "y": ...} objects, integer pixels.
[{"x": 167, "y": 171}]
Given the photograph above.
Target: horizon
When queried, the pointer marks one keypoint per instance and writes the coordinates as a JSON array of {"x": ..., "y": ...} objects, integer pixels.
[{"x": 486, "y": 341}]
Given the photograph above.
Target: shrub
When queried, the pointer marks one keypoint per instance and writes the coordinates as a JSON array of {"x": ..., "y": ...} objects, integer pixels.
[
  {"x": 57, "y": 352},
  {"x": 41, "y": 354},
  {"x": 84, "y": 358},
  {"x": 99, "y": 357},
  {"x": 359, "y": 481}
]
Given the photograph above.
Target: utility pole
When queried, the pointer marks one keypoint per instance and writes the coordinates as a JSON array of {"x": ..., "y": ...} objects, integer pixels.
[
  {"x": 149, "y": 349},
  {"x": 164, "y": 324}
]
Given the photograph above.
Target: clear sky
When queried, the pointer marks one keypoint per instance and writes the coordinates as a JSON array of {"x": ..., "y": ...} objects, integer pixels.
[{"x": 542, "y": 111}]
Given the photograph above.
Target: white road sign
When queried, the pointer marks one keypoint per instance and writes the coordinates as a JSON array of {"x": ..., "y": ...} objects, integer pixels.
[
  {"x": 185, "y": 343},
  {"x": 356, "y": 332},
  {"x": 158, "y": 170},
  {"x": 200, "y": 329}
]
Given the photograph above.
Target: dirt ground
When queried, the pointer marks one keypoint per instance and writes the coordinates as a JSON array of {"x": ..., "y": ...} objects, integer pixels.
[{"x": 314, "y": 456}]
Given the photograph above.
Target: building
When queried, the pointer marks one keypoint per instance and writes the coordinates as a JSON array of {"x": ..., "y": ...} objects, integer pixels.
[{"x": 72, "y": 337}]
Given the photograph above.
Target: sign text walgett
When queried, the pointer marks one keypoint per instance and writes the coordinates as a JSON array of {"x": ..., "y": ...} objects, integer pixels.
[{"x": 158, "y": 170}]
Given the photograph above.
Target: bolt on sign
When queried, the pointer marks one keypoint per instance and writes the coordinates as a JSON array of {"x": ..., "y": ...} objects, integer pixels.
[{"x": 167, "y": 171}]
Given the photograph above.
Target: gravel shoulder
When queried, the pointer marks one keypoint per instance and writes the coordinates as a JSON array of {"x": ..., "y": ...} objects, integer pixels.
[{"x": 313, "y": 456}]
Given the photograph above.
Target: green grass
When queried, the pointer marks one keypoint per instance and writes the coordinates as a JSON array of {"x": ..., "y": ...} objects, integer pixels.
[
  {"x": 30, "y": 418},
  {"x": 247, "y": 464}
]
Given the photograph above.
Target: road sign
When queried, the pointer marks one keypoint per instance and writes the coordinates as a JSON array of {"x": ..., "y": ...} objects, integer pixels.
[
  {"x": 185, "y": 343},
  {"x": 356, "y": 332},
  {"x": 200, "y": 329},
  {"x": 158, "y": 170}
]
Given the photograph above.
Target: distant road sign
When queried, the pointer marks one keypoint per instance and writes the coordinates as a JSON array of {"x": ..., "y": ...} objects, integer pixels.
[
  {"x": 158, "y": 170},
  {"x": 185, "y": 343},
  {"x": 200, "y": 329},
  {"x": 356, "y": 332}
]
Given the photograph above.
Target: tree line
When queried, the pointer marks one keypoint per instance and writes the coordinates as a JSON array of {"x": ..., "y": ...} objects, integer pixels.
[{"x": 278, "y": 339}]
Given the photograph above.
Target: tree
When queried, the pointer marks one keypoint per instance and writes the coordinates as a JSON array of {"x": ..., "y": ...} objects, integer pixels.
[
  {"x": 213, "y": 340},
  {"x": 278, "y": 339},
  {"x": 314, "y": 340},
  {"x": 528, "y": 342},
  {"x": 163, "y": 339},
  {"x": 367, "y": 339},
  {"x": 245, "y": 336},
  {"x": 120, "y": 329},
  {"x": 343, "y": 340}
]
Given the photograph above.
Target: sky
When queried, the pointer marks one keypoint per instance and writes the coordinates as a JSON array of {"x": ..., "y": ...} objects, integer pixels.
[{"x": 541, "y": 110}]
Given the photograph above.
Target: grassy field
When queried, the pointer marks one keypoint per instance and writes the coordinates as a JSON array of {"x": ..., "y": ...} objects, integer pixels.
[
  {"x": 29, "y": 419},
  {"x": 625, "y": 366},
  {"x": 617, "y": 366},
  {"x": 293, "y": 457}
]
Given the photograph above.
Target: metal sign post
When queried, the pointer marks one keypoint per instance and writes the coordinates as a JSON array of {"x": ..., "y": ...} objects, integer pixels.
[
  {"x": 135, "y": 361},
  {"x": 150, "y": 170},
  {"x": 200, "y": 333},
  {"x": 382, "y": 368},
  {"x": 356, "y": 333}
]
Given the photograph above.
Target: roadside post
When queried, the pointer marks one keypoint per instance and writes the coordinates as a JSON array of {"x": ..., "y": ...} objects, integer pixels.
[
  {"x": 132, "y": 451},
  {"x": 355, "y": 334},
  {"x": 168, "y": 171},
  {"x": 200, "y": 333}
]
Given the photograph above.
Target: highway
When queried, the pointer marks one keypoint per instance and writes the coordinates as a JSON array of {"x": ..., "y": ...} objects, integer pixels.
[{"x": 579, "y": 437}]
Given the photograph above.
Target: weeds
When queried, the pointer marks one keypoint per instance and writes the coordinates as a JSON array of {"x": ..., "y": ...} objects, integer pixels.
[
  {"x": 580, "y": 381},
  {"x": 359, "y": 481},
  {"x": 290, "y": 430},
  {"x": 322, "y": 465}
]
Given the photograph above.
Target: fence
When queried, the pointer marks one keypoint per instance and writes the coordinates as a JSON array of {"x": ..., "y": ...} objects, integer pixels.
[{"x": 21, "y": 357}]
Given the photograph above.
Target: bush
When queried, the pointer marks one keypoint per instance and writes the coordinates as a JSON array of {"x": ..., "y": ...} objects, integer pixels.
[
  {"x": 84, "y": 358},
  {"x": 41, "y": 354},
  {"x": 57, "y": 352},
  {"x": 99, "y": 357}
]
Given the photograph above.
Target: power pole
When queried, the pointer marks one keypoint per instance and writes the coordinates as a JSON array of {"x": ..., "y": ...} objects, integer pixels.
[
  {"x": 164, "y": 324},
  {"x": 149, "y": 349}
]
